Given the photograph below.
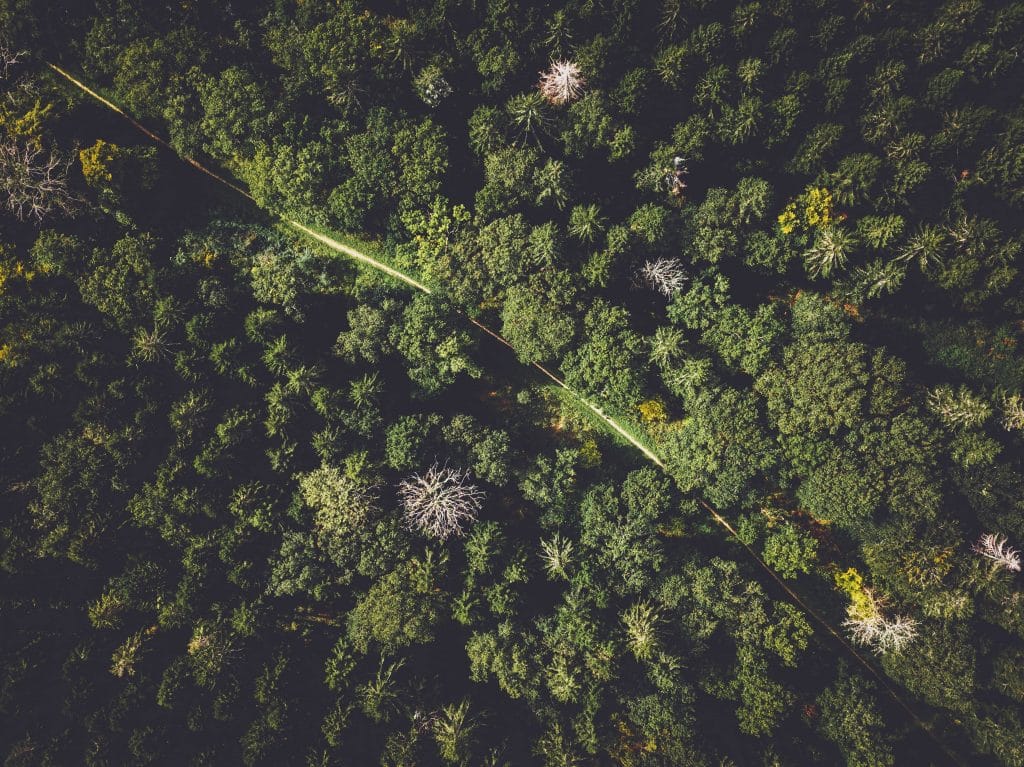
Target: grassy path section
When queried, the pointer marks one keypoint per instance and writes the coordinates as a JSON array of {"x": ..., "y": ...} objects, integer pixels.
[
  {"x": 358, "y": 255},
  {"x": 617, "y": 428},
  {"x": 351, "y": 252}
]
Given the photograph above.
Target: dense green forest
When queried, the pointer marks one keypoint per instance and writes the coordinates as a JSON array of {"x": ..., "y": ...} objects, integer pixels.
[{"x": 690, "y": 434}]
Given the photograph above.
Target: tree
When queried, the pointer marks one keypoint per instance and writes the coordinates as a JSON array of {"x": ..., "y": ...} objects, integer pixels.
[
  {"x": 883, "y": 634},
  {"x": 440, "y": 502},
  {"x": 849, "y": 717},
  {"x": 432, "y": 86},
  {"x": 120, "y": 174},
  {"x": 341, "y": 504},
  {"x": 127, "y": 655},
  {"x": 453, "y": 731},
  {"x": 960, "y": 408},
  {"x": 790, "y": 551},
  {"x": 509, "y": 173},
  {"x": 284, "y": 275},
  {"x": 939, "y": 667},
  {"x": 609, "y": 364},
  {"x": 435, "y": 350},
  {"x": 640, "y": 622},
  {"x": 73, "y": 504},
  {"x": 408, "y": 438},
  {"x": 586, "y": 223},
  {"x": 997, "y": 549},
  {"x": 34, "y": 181},
  {"x": 562, "y": 82},
  {"x": 528, "y": 116},
  {"x": 367, "y": 336},
  {"x": 364, "y": 197},
  {"x": 401, "y": 608},
  {"x": 836, "y": 485},
  {"x": 237, "y": 113},
  {"x": 830, "y": 251},
  {"x": 763, "y": 700},
  {"x": 551, "y": 181},
  {"x": 819, "y": 388},
  {"x": 665, "y": 275},
  {"x": 488, "y": 451},
  {"x": 623, "y": 537},
  {"x": 722, "y": 449},
  {"x": 556, "y": 555},
  {"x": 508, "y": 655},
  {"x": 421, "y": 153},
  {"x": 537, "y": 318}
]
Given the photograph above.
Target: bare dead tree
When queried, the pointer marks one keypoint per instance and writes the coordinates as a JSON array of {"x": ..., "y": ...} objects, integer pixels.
[
  {"x": 881, "y": 633},
  {"x": 997, "y": 548},
  {"x": 665, "y": 275},
  {"x": 562, "y": 82},
  {"x": 441, "y": 502},
  {"x": 9, "y": 58},
  {"x": 34, "y": 181}
]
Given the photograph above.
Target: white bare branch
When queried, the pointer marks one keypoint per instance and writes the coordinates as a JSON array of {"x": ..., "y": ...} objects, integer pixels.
[
  {"x": 881, "y": 633},
  {"x": 997, "y": 548},
  {"x": 665, "y": 275},
  {"x": 33, "y": 181},
  {"x": 562, "y": 82},
  {"x": 896, "y": 633},
  {"x": 440, "y": 502},
  {"x": 9, "y": 58}
]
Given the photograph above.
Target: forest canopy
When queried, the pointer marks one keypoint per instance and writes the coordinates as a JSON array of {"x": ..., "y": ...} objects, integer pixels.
[{"x": 600, "y": 382}]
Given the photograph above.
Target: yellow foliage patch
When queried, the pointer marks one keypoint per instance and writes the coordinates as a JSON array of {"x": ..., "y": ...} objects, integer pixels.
[
  {"x": 97, "y": 160},
  {"x": 818, "y": 207},
  {"x": 652, "y": 411},
  {"x": 28, "y": 126},
  {"x": 14, "y": 270},
  {"x": 814, "y": 208},
  {"x": 590, "y": 453},
  {"x": 862, "y": 603}
]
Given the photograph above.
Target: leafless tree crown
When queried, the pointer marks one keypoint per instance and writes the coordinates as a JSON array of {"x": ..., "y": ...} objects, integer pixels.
[
  {"x": 440, "y": 502},
  {"x": 9, "y": 58},
  {"x": 665, "y": 275},
  {"x": 881, "y": 633},
  {"x": 34, "y": 181},
  {"x": 562, "y": 82},
  {"x": 997, "y": 548}
]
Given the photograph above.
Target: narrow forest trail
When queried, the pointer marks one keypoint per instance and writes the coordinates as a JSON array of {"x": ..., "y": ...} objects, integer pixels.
[{"x": 616, "y": 427}]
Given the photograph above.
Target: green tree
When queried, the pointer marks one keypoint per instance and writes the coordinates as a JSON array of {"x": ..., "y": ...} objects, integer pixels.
[
  {"x": 401, "y": 608},
  {"x": 609, "y": 364},
  {"x": 850, "y": 718},
  {"x": 790, "y": 551},
  {"x": 819, "y": 388},
  {"x": 122, "y": 284},
  {"x": 436, "y": 350},
  {"x": 722, "y": 449},
  {"x": 537, "y": 318}
]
